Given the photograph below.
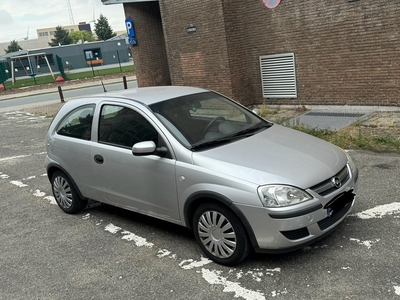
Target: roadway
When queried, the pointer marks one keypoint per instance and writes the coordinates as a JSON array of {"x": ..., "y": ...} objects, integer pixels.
[{"x": 68, "y": 94}]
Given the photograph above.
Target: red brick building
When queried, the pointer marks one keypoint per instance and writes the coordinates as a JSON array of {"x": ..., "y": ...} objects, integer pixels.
[{"x": 322, "y": 52}]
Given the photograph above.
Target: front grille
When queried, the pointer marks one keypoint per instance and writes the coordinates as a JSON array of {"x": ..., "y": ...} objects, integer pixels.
[
  {"x": 326, "y": 187},
  {"x": 329, "y": 221},
  {"x": 296, "y": 234}
]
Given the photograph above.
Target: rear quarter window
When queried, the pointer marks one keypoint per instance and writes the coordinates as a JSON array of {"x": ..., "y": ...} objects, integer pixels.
[{"x": 78, "y": 123}]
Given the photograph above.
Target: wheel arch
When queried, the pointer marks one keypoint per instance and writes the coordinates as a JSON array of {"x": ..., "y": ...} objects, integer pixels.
[
  {"x": 52, "y": 168},
  {"x": 198, "y": 198}
]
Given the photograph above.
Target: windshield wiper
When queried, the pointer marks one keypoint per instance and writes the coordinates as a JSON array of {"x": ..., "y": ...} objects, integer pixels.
[
  {"x": 252, "y": 130},
  {"x": 212, "y": 143},
  {"x": 241, "y": 134}
]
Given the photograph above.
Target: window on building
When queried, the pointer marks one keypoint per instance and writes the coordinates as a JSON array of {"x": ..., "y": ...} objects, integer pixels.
[
  {"x": 21, "y": 63},
  {"x": 278, "y": 76},
  {"x": 91, "y": 54},
  {"x": 42, "y": 62}
]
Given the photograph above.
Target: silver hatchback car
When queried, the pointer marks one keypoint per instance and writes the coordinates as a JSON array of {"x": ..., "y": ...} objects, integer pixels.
[{"x": 198, "y": 159}]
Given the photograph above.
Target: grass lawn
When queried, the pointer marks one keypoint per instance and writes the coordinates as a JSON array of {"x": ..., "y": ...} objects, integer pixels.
[
  {"x": 355, "y": 136},
  {"x": 49, "y": 79}
]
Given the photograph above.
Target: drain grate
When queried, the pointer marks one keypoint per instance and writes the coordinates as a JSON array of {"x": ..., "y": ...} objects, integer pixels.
[{"x": 333, "y": 114}]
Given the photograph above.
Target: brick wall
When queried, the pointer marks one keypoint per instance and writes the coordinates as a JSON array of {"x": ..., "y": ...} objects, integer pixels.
[
  {"x": 149, "y": 55},
  {"x": 346, "y": 53},
  {"x": 199, "y": 58}
]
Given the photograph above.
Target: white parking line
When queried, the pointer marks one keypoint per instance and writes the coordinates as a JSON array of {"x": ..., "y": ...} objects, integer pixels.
[
  {"x": 379, "y": 211},
  {"x": 367, "y": 244},
  {"x": 20, "y": 156},
  {"x": 211, "y": 276},
  {"x": 190, "y": 263},
  {"x": 3, "y": 176},
  {"x": 18, "y": 183},
  {"x": 138, "y": 240},
  {"x": 397, "y": 290},
  {"x": 214, "y": 277},
  {"x": 38, "y": 193}
]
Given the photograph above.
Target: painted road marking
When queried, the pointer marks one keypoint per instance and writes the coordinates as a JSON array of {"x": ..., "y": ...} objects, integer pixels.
[
  {"x": 21, "y": 156},
  {"x": 212, "y": 276},
  {"x": 397, "y": 290},
  {"x": 367, "y": 244},
  {"x": 379, "y": 211}
]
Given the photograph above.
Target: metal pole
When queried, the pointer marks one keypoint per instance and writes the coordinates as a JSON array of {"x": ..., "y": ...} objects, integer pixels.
[
  {"x": 119, "y": 61},
  {"x": 91, "y": 64},
  {"x": 125, "y": 83},
  {"x": 61, "y": 94}
]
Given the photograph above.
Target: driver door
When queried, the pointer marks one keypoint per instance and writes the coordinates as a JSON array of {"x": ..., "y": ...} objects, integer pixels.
[{"x": 146, "y": 184}]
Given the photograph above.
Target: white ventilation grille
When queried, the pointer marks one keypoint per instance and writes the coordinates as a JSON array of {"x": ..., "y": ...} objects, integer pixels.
[{"x": 278, "y": 76}]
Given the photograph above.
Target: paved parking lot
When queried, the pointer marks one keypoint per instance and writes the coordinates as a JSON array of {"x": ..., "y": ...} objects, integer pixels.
[{"x": 109, "y": 253}]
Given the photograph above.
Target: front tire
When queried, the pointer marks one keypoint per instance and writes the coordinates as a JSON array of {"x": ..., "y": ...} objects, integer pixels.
[
  {"x": 65, "y": 194},
  {"x": 220, "y": 234}
]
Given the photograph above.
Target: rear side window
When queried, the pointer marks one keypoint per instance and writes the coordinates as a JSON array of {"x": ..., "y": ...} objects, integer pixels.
[
  {"x": 78, "y": 123},
  {"x": 124, "y": 127}
]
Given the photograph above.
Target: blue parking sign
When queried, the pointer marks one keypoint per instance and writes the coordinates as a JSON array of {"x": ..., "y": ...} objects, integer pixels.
[
  {"x": 132, "y": 41},
  {"x": 130, "y": 30}
]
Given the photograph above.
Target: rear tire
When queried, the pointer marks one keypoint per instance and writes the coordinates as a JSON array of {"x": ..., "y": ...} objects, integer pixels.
[
  {"x": 220, "y": 234},
  {"x": 65, "y": 194}
]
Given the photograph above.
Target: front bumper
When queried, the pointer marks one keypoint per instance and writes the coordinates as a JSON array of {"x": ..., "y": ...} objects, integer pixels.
[{"x": 291, "y": 228}]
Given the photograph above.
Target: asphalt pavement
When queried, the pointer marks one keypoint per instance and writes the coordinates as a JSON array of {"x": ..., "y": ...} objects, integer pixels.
[{"x": 109, "y": 253}]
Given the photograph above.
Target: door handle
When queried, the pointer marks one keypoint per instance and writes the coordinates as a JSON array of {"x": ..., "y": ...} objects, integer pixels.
[{"x": 98, "y": 158}]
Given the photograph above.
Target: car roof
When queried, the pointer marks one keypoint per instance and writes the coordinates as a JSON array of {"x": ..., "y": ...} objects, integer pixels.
[{"x": 151, "y": 95}]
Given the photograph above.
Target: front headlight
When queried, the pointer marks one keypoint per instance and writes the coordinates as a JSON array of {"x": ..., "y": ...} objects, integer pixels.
[
  {"x": 349, "y": 160},
  {"x": 282, "y": 195},
  {"x": 353, "y": 168}
]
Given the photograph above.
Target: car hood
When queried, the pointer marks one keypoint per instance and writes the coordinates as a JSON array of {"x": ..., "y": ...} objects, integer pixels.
[{"x": 277, "y": 155}]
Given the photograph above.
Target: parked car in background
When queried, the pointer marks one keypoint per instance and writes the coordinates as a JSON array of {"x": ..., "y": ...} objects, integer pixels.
[{"x": 195, "y": 158}]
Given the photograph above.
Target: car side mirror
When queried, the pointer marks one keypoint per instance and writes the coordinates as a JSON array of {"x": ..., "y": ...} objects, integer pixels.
[{"x": 148, "y": 148}]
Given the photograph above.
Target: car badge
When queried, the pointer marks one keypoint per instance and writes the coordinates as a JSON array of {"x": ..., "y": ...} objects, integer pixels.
[
  {"x": 336, "y": 182},
  {"x": 330, "y": 212}
]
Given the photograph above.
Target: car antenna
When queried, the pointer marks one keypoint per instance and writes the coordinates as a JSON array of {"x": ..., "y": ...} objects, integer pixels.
[{"x": 101, "y": 80}]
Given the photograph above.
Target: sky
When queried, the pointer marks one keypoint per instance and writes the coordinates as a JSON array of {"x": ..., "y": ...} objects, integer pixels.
[{"x": 17, "y": 15}]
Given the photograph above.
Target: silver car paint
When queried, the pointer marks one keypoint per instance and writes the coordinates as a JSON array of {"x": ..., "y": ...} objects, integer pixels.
[
  {"x": 293, "y": 158},
  {"x": 267, "y": 156}
]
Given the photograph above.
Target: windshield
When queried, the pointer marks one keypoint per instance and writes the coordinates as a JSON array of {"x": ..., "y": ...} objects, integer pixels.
[{"x": 207, "y": 119}]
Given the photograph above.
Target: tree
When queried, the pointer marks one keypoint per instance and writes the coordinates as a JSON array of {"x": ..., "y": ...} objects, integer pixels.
[
  {"x": 13, "y": 47},
  {"x": 103, "y": 30},
  {"x": 84, "y": 36},
  {"x": 61, "y": 37}
]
